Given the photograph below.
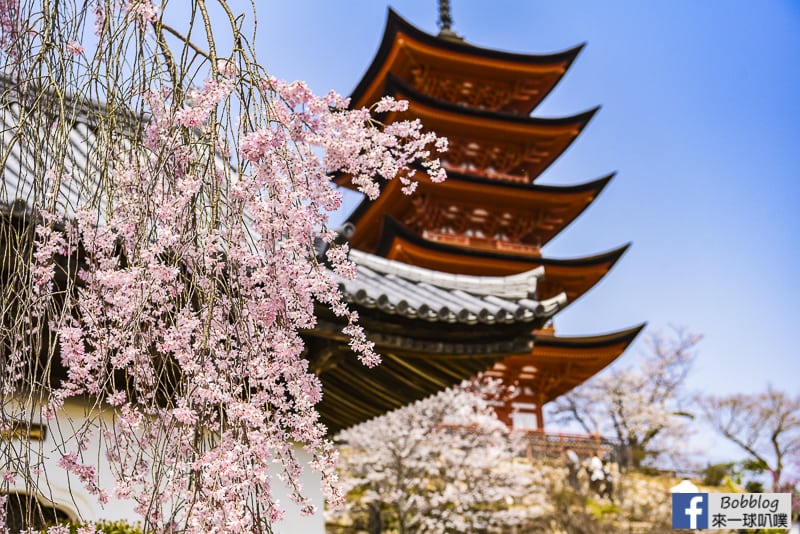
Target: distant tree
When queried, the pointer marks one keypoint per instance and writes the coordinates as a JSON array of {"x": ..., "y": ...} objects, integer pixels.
[
  {"x": 642, "y": 406},
  {"x": 765, "y": 425},
  {"x": 445, "y": 464}
]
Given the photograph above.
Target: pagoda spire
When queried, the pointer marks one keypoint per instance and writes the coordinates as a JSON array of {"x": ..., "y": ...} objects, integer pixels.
[{"x": 446, "y": 22}]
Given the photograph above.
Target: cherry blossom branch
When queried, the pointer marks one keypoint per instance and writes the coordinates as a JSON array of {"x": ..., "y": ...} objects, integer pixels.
[{"x": 159, "y": 251}]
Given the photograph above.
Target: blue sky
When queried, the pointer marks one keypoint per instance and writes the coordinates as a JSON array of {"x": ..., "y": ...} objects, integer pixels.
[{"x": 700, "y": 117}]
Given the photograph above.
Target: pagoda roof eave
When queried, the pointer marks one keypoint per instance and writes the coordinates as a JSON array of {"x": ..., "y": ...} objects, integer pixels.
[
  {"x": 392, "y": 229},
  {"x": 395, "y": 86},
  {"x": 558, "y": 364},
  {"x": 411, "y": 369},
  {"x": 582, "y": 357},
  {"x": 353, "y": 393},
  {"x": 395, "y": 24},
  {"x": 512, "y": 189},
  {"x": 625, "y": 336},
  {"x": 594, "y": 186},
  {"x": 573, "y": 276}
]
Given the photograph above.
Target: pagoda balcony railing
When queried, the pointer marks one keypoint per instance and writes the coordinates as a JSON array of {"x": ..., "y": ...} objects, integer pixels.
[
  {"x": 483, "y": 243},
  {"x": 489, "y": 174},
  {"x": 541, "y": 444}
]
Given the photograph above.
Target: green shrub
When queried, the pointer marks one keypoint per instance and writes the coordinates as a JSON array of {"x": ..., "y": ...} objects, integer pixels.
[{"x": 714, "y": 474}]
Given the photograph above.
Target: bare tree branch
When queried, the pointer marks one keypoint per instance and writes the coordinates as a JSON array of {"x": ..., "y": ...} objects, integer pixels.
[
  {"x": 643, "y": 406},
  {"x": 765, "y": 425}
]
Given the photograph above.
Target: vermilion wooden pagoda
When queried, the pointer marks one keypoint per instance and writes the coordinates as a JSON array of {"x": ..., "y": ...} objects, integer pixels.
[{"x": 489, "y": 218}]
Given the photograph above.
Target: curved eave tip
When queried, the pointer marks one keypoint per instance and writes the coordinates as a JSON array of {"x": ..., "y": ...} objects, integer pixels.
[
  {"x": 572, "y": 53},
  {"x": 634, "y": 332},
  {"x": 610, "y": 257},
  {"x": 616, "y": 254},
  {"x": 587, "y": 115},
  {"x": 603, "y": 182},
  {"x": 580, "y": 120}
]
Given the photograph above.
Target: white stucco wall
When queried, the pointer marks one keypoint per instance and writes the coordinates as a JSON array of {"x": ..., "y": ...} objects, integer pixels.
[
  {"x": 66, "y": 491},
  {"x": 294, "y": 522}
]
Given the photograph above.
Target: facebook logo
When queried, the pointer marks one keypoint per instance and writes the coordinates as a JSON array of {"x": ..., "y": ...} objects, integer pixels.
[{"x": 689, "y": 510}]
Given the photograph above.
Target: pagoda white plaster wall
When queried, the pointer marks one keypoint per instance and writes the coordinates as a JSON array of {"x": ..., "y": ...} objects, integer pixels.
[{"x": 67, "y": 492}]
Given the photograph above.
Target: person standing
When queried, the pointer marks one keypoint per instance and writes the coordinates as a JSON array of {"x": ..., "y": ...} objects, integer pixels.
[
  {"x": 573, "y": 467},
  {"x": 596, "y": 473}
]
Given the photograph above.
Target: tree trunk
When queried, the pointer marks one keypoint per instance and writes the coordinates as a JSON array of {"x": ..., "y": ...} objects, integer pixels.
[{"x": 374, "y": 524}]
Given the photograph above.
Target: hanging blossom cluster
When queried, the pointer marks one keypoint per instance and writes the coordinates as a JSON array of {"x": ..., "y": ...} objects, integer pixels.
[
  {"x": 10, "y": 27},
  {"x": 203, "y": 318},
  {"x": 190, "y": 270},
  {"x": 142, "y": 11}
]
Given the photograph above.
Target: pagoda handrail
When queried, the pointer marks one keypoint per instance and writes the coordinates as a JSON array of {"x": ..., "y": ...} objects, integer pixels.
[
  {"x": 541, "y": 443},
  {"x": 564, "y": 436}
]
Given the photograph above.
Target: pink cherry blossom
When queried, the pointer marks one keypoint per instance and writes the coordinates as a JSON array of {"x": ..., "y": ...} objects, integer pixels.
[
  {"x": 142, "y": 11},
  {"x": 75, "y": 48}
]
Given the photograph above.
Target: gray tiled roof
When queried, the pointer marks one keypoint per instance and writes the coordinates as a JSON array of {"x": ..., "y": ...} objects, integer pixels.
[
  {"x": 31, "y": 153},
  {"x": 418, "y": 293}
]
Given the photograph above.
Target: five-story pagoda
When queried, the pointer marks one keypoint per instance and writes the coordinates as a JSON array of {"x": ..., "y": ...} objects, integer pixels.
[{"x": 490, "y": 218}]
